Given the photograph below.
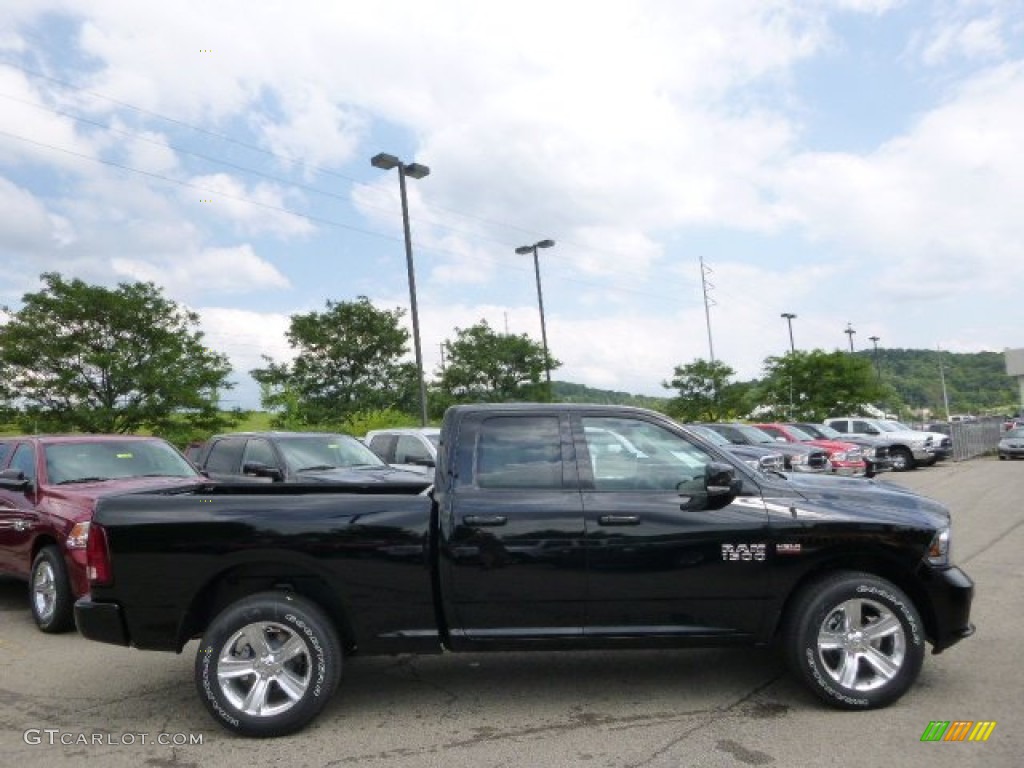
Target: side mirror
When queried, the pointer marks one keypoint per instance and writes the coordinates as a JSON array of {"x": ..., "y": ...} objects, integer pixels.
[
  {"x": 258, "y": 469},
  {"x": 721, "y": 480},
  {"x": 423, "y": 462},
  {"x": 14, "y": 479},
  {"x": 872, "y": 431}
]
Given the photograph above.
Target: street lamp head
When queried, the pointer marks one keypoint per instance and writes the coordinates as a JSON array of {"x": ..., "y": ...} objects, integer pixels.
[
  {"x": 416, "y": 170},
  {"x": 788, "y": 315},
  {"x": 524, "y": 249},
  {"x": 385, "y": 162},
  {"x": 545, "y": 244},
  {"x": 875, "y": 339}
]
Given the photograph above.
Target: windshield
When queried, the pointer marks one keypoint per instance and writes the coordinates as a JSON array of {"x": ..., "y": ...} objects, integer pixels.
[
  {"x": 84, "y": 462},
  {"x": 820, "y": 431},
  {"x": 710, "y": 435},
  {"x": 895, "y": 426},
  {"x": 755, "y": 436},
  {"x": 1015, "y": 433},
  {"x": 800, "y": 434},
  {"x": 322, "y": 451}
]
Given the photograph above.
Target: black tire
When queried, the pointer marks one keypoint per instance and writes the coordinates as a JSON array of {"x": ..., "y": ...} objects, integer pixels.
[
  {"x": 902, "y": 459},
  {"x": 50, "y": 592},
  {"x": 291, "y": 688},
  {"x": 856, "y": 640}
]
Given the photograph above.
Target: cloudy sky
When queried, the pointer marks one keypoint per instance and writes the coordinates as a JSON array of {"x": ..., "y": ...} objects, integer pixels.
[{"x": 853, "y": 162}]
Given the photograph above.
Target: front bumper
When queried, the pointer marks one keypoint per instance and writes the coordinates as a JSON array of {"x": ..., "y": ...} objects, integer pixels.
[
  {"x": 950, "y": 592},
  {"x": 103, "y": 622}
]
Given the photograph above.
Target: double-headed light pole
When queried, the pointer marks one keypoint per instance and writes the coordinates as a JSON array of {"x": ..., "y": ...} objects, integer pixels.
[
  {"x": 524, "y": 249},
  {"x": 386, "y": 162}
]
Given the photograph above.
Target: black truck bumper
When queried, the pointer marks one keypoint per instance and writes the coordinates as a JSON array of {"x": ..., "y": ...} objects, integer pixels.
[
  {"x": 103, "y": 622},
  {"x": 950, "y": 591}
]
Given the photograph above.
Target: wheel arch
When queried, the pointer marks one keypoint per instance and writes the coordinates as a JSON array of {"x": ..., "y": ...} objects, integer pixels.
[
  {"x": 874, "y": 564},
  {"x": 239, "y": 581}
]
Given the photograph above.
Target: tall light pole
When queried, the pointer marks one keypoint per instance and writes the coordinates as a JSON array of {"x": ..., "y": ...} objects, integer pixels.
[
  {"x": 790, "y": 317},
  {"x": 524, "y": 249},
  {"x": 386, "y": 162},
  {"x": 849, "y": 332},
  {"x": 878, "y": 368}
]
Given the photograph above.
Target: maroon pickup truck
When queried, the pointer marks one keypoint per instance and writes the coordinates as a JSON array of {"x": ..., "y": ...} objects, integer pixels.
[{"x": 49, "y": 486}]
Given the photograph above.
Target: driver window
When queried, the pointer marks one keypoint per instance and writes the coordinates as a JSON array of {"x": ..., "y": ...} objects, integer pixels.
[
  {"x": 630, "y": 454},
  {"x": 25, "y": 459}
]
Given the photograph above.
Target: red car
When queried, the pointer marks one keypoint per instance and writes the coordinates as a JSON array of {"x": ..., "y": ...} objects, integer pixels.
[
  {"x": 846, "y": 458},
  {"x": 48, "y": 489}
]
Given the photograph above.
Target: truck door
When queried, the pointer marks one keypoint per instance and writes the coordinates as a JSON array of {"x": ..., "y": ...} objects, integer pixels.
[
  {"x": 664, "y": 556},
  {"x": 512, "y": 562},
  {"x": 18, "y": 516}
]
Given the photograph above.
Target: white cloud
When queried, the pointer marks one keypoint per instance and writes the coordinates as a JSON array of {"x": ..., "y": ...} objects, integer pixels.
[
  {"x": 260, "y": 208},
  {"x": 221, "y": 270}
]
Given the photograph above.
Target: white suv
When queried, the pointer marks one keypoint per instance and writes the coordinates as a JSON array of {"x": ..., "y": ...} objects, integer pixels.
[
  {"x": 412, "y": 448},
  {"x": 910, "y": 448}
]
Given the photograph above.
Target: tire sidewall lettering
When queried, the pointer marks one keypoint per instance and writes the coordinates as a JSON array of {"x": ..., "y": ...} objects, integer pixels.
[{"x": 896, "y": 603}]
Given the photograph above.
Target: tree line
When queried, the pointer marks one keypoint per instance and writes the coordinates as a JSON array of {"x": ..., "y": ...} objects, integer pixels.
[{"x": 80, "y": 357}]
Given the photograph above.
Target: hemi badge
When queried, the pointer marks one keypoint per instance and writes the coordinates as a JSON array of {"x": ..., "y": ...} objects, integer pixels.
[{"x": 787, "y": 549}]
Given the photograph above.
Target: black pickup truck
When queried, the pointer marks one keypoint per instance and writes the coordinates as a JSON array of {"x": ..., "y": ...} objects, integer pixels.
[{"x": 547, "y": 527}]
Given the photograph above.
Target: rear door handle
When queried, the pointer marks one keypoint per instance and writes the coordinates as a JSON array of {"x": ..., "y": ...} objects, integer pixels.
[
  {"x": 484, "y": 520},
  {"x": 618, "y": 520}
]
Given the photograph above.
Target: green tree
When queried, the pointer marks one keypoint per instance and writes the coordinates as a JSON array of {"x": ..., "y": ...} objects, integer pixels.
[
  {"x": 815, "y": 385},
  {"x": 348, "y": 360},
  {"x": 706, "y": 392},
  {"x": 484, "y": 366},
  {"x": 92, "y": 359}
]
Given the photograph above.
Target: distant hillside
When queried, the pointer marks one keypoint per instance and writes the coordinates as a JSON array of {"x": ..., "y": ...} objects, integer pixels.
[
  {"x": 975, "y": 382},
  {"x": 567, "y": 392}
]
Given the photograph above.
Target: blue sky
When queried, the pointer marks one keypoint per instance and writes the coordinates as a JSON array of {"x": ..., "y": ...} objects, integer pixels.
[{"x": 857, "y": 161}]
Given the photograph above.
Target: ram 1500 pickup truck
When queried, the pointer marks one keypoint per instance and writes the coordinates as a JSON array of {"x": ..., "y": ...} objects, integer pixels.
[
  {"x": 547, "y": 527},
  {"x": 49, "y": 486}
]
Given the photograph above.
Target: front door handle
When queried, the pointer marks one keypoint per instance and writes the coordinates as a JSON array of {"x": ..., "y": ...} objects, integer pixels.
[
  {"x": 485, "y": 520},
  {"x": 619, "y": 520}
]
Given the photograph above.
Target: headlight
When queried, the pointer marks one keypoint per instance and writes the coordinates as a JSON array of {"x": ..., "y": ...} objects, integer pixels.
[{"x": 938, "y": 550}]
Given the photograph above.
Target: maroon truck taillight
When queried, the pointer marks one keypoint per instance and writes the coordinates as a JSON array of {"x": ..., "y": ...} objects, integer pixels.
[{"x": 97, "y": 557}]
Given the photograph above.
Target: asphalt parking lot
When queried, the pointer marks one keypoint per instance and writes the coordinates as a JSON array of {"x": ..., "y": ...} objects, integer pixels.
[{"x": 667, "y": 708}]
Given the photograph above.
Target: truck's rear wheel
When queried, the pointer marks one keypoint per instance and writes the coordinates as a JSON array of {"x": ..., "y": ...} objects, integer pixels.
[
  {"x": 50, "y": 592},
  {"x": 856, "y": 640},
  {"x": 268, "y": 664}
]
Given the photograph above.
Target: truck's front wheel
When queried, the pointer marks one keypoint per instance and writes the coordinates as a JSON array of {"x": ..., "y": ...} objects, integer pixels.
[
  {"x": 856, "y": 640},
  {"x": 268, "y": 664},
  {"x": 52, "y": 601}
]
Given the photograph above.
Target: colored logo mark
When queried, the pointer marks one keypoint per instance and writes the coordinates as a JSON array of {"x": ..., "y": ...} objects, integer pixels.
[{"x": 958, "y": 730}]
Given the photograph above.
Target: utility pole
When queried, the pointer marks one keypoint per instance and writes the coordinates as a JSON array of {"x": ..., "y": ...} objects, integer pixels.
[
  {"x": 708, "y": 303},
  {"x": 849, "y": 332},
  {"x": 942, "y": 378}
]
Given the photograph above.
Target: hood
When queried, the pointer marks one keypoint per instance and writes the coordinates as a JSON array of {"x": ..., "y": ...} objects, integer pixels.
[
  {"x": 860, "y": 499},
  {"x": 86, "y": 494},
  {"x": 365, "y": 475}
]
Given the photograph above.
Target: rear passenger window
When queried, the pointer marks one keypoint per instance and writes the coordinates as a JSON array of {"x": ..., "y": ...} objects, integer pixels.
[{"x": 519, "y": 452}]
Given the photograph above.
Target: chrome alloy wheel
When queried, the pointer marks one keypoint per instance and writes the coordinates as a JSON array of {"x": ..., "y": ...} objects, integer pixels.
[
  {"x": 44, "y": 591},
  {"x": 264, "y": 669},
  {"x": 861, "y": 644}
]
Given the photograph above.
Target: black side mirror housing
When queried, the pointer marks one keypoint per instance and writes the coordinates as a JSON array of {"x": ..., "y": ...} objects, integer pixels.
[
  {"x": 14, "y": 479},
  {"x": 258, "y": 469}
]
